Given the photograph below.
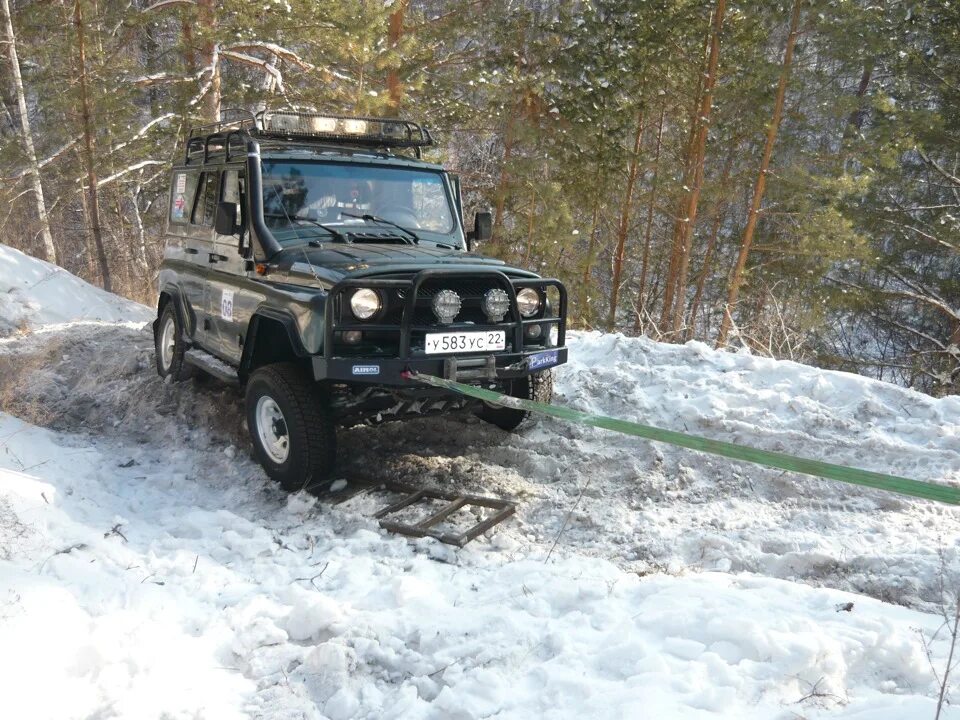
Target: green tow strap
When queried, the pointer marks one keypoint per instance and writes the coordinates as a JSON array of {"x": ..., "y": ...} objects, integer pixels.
[{"x": 890, "y": 483}]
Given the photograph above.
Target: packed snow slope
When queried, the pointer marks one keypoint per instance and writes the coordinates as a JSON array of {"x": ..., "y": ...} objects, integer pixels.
[
  {"x": 34, "y": 293},
  {"x": 149, "y": 569}
]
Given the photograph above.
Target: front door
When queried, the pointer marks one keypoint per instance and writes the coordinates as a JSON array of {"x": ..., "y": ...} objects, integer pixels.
[{"x": 225, "y": 300}]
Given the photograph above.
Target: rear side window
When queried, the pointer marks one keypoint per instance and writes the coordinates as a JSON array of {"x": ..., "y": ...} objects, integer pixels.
[
  {"x": 233, "y": 191},
  {"x": 184, "y": 192},
  {"x": 206, "y": 204}
]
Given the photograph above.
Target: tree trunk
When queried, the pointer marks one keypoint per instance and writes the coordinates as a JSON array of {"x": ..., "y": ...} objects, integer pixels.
[
  {"x": 26, "y": 133},
  {"x": 676, "y": 242},
  {"x": 736, "y": 279},
  {"x": 585, "y": 315},
  {"x": 718, "y": 215},
  {"x": 394, "y": 33},
  {"x": 645, "y": 262},
  {"x": 501, "y": 196},
  {"x": 623, "y": 226},
  {"x": 856, "y": 118},
  {"x": 699, "y": 157},
  {"x": 142, "y": 259},
  {"x": 89, "y": 148},
  {"x": 211, "y": 59}
]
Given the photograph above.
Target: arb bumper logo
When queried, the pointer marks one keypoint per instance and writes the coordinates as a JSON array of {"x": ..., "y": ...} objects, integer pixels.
[{"x": 366, "y": 369}]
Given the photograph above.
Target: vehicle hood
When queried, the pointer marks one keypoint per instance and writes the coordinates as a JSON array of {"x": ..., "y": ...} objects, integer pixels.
[{"x": 327, "y": 265}]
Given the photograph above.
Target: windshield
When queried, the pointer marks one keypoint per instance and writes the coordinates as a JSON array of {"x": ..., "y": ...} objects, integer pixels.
[{"x": 333, "y": 197}]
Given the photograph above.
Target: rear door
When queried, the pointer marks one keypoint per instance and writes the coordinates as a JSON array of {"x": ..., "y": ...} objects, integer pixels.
[{"x": 187, "y": 248}]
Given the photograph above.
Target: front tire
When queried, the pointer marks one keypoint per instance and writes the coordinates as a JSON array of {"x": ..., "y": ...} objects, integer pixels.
[
  {"x": 170, "y": 346},
  {"x": 292, "y": 430},
  {"x": 538, "y": 388}
]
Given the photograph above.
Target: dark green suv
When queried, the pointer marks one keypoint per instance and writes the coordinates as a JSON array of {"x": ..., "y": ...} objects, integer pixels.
[{"x": 317, "y": 260}]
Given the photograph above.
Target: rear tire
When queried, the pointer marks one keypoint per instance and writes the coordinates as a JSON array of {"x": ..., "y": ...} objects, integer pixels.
[
  {"x": 291, "y": 427},
  {"x": 170, "y": 346},
  {"x": 538, "y": 388}
]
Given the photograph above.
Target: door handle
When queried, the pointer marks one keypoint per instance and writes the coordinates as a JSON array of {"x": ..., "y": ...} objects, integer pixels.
[
  {"x": 214, "y": 257},
  {"x": 191, "y": 251}
]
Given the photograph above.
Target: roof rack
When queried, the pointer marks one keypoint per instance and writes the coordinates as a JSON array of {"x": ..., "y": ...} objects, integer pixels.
[{"x": 369, "y": 132}]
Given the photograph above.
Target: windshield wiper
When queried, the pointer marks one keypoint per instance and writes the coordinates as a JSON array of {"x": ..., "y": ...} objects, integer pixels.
[
  {"x": 337, "y": 235},
  {"x": 384, "y": 221}
]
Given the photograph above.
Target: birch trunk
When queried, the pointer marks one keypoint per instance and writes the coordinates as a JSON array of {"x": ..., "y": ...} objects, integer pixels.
[
  {"x": 736, "y": 278},
  {"x": 211, "y": 59},
  {"x": 26, "y": 133}
]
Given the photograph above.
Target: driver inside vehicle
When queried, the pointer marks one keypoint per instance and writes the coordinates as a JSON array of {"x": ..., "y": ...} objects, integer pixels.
[{"x": 332, "y": 193}]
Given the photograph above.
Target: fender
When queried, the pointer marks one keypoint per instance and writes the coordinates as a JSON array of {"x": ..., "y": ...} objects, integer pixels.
[
  {"x": 186, "y": 316},
  {"x": 285, "y": 320}
]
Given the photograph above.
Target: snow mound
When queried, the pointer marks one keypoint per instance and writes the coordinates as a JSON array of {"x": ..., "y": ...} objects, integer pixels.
[
  {"x": 34, "y": 293},
  {"x": 774, "y": 404}
]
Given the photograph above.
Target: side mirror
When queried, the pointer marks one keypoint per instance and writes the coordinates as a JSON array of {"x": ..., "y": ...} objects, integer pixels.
[
  {"x": 482, "y": 229},
  {"x": 226, "y": 222}
]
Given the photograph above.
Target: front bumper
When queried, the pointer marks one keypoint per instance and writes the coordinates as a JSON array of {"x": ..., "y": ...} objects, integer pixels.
[
  {"x": 516, "y": 361},
  {"x": 390, "y": 371}
]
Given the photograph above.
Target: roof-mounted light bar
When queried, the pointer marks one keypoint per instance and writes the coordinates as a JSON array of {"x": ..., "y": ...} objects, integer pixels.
[{"x": 380, "y": 132}]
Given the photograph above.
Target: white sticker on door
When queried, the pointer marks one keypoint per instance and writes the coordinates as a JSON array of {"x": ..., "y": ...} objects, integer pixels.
[
  {"x": 181, "y": 183},
  {"x": 226, "y": 305}
]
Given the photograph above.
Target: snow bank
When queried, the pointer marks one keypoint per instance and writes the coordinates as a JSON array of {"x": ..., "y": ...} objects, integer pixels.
[
  {"x": 34, "y": 293},
  {"x": 136, "y": 583}
]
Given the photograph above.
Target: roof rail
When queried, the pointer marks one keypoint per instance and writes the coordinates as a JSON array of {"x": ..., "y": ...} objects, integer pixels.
[
  {"x": 245, "y": 120},
  {"x": 370, "y": 132}
]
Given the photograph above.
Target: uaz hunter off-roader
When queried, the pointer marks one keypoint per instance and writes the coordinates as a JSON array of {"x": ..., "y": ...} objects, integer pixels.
[{"x": 310, "y": 261}]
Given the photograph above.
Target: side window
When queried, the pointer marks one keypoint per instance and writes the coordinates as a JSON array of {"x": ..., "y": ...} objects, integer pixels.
[
  {"x": 233, "y": 192},
  {"x": 182, "y": 196},
  {"x": 206, "y": 204}
]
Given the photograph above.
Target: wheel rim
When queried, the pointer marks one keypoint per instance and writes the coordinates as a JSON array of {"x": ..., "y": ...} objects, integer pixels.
[
  {"x": 168, "y": 342},
  {"x": 272, "y": 430}
]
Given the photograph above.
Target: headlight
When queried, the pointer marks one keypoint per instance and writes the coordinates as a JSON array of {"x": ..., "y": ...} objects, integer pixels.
[
  {"x": 528, "y": 300},
  {"x": 365, "y": 303}
]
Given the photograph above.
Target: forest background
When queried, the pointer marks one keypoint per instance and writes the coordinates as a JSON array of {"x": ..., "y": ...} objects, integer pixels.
[{"x": 782, "y": 176}]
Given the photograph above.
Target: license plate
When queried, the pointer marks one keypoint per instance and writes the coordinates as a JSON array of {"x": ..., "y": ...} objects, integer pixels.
[{"x": 455, "y": 342}]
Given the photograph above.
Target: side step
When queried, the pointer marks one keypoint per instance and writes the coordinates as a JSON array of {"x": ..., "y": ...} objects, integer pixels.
[
  {"x": 455, "y": 501},
  {"x": 212, "y": 365}
]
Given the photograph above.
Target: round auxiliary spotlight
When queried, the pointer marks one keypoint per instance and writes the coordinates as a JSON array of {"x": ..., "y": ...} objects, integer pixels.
[
  {"x": 495, "y": 304},
  {"x": 446, "y": 306}
]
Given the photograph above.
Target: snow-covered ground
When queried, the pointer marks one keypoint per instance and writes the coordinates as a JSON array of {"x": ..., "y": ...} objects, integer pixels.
[{"x": 148, "y": 568}]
